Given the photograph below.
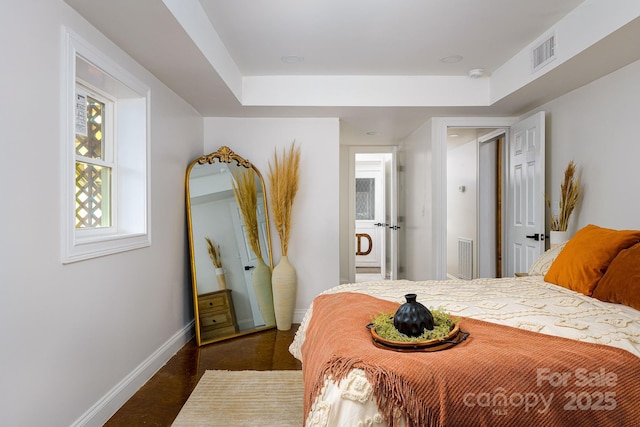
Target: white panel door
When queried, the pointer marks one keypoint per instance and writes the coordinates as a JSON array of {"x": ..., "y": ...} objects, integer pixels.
[
  {"x": 370, "y": 213},
  {"x": 248, "y": 257},
  {"x": 368, "y": 244},
  {"x": 525, "y": 219},
  {"x": 390, "y": 267}
]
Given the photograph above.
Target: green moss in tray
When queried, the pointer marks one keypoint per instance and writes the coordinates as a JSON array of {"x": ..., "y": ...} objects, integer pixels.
[{"x": 442, "y": 326}]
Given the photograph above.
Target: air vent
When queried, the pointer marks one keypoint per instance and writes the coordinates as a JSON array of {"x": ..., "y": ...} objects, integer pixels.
[
  {"x": 544, "y": 53},
  {"x": 465, "y": 258}
]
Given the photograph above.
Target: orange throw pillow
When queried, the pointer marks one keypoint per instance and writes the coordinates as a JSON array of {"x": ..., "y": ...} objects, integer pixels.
[
  {"x": 621, "y": 282},
  {"x": 586, "y": 256}
]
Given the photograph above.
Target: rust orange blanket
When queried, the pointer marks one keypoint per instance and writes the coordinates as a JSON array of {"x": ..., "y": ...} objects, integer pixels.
[{"x": 499, "y": 376}]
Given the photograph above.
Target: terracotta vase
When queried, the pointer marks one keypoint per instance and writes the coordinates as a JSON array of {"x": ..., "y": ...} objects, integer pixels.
[
  {"x": 284, "y": 281},
  {"x": 261, "y": 279}
]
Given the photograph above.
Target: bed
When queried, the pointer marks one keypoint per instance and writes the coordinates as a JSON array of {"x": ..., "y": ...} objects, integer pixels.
[{"x": 560, "y": 346}]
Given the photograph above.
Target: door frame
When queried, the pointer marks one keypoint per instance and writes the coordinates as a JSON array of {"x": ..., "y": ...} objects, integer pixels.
[
  {"x": 493, "y": 238},
  {"x": 439, "y": 175},
  {"x": 361, "y": 149}
]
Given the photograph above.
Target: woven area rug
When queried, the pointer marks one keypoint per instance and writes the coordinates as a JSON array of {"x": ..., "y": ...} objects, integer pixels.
[{"x": 244, "y": 398}]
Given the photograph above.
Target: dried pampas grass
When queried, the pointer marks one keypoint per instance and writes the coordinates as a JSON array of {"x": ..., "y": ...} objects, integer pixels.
[
  {"x": 284, "y": 175},
  {"x": 214, "y": 253},
  {"x": 570, "y": 193},
  {"x": 244, "y": 188}
]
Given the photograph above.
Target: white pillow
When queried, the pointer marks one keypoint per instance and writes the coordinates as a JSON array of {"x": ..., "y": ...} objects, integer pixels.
[{"x": 543, "y": 263}]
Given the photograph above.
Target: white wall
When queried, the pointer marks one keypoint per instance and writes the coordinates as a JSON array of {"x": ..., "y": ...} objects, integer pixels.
[
  {"x": 346, "y": 275},
  {"x": 418, "y": 203},
  {"x": 77, "y": 339},
  {"x": 314, "y": 244},
  {"x": 595, "y": 127}
]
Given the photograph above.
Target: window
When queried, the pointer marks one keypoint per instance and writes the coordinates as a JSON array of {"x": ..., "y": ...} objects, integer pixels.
[
  {"x": 105, "y": 151},
  {"x": 365, "y": 198},
  {"x": 94, "y": 159}
]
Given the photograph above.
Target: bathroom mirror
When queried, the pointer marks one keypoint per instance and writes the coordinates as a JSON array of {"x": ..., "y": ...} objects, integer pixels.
[{"x": 230, "y": 247}]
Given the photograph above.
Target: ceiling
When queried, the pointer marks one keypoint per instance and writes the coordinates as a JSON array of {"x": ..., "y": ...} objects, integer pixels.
[
  {"x": 364, "y": 37},
  {"x": 205, "y": 51}
]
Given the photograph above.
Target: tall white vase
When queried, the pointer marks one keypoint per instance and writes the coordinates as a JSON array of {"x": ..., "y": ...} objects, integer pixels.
[
  {"x": 285, "y": 283},
  {"x": 557, "y": 237},
  {"x": 261, "y": 278}
]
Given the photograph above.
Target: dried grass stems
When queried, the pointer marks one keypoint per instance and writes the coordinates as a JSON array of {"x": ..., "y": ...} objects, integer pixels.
[
  {"x": 214, "y": 253},
  {"x": 246, "y": 192},
  {"x": 284, "y": 176},
  {"x": 570, "y": 193}
]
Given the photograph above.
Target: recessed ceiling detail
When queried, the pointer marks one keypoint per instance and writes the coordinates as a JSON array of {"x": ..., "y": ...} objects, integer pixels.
[{"x": 384, "y": 72}]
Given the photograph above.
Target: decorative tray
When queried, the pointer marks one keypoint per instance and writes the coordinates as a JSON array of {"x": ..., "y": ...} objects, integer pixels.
[{"x": 456, "y": 336}]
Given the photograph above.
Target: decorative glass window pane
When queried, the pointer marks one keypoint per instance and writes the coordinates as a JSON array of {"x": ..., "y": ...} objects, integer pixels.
[
  {"x": 92, "y": 196},
  {"x": 365, "y": 198},
  {"x": 92, "y": 144}
]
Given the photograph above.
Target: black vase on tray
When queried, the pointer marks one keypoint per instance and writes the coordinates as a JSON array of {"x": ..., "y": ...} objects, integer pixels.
[{"x": 412, "y": 318}]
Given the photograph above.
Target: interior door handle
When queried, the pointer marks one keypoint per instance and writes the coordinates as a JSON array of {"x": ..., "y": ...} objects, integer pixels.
[{"x": 536, "y": 237}]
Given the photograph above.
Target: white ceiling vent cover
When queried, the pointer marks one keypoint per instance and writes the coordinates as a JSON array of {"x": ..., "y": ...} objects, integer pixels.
[{"x": 544, "y": 53}]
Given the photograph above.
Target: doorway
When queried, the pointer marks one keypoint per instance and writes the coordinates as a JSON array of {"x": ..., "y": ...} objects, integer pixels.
[
  {"x": 522, "y": 226},
  {"x": 373, "y": 211},
  {"x": 474, "y": 202}
]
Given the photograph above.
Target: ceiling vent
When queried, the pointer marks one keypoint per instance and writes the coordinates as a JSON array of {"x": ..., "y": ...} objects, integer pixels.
[{"x": 544, "y": 53}]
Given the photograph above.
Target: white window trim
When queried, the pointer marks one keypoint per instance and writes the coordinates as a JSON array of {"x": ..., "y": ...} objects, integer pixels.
[{"x": 133, "y": 196}]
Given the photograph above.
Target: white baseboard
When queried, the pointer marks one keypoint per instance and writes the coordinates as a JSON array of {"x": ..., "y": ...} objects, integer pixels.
[
  {"x": 298, "y": 315},
  {"x": 109, "y": 404}
]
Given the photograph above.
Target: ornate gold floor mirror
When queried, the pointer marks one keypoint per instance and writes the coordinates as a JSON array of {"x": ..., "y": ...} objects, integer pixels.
[{"x": 229, "y": 246}]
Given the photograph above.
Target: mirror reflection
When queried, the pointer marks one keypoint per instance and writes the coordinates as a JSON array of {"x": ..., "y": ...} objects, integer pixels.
[{"x": 230, "y": 247}]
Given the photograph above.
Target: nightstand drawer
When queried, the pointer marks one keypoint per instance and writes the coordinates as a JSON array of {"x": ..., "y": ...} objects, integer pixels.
[
  {"x": 215, "y": 320},
  {"x": 215, "y": 314},
  {"x": 214, "y": 334},
  {"x": 214, "y": 301}
]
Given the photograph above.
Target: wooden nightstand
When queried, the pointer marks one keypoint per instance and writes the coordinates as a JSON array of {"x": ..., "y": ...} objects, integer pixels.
[
  {"x": 522, "y": 274},
  {"x": 216, "y": 314}
]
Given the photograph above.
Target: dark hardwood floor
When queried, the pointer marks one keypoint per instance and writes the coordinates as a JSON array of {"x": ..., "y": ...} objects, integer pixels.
[{"x": 158, "y": 402}]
